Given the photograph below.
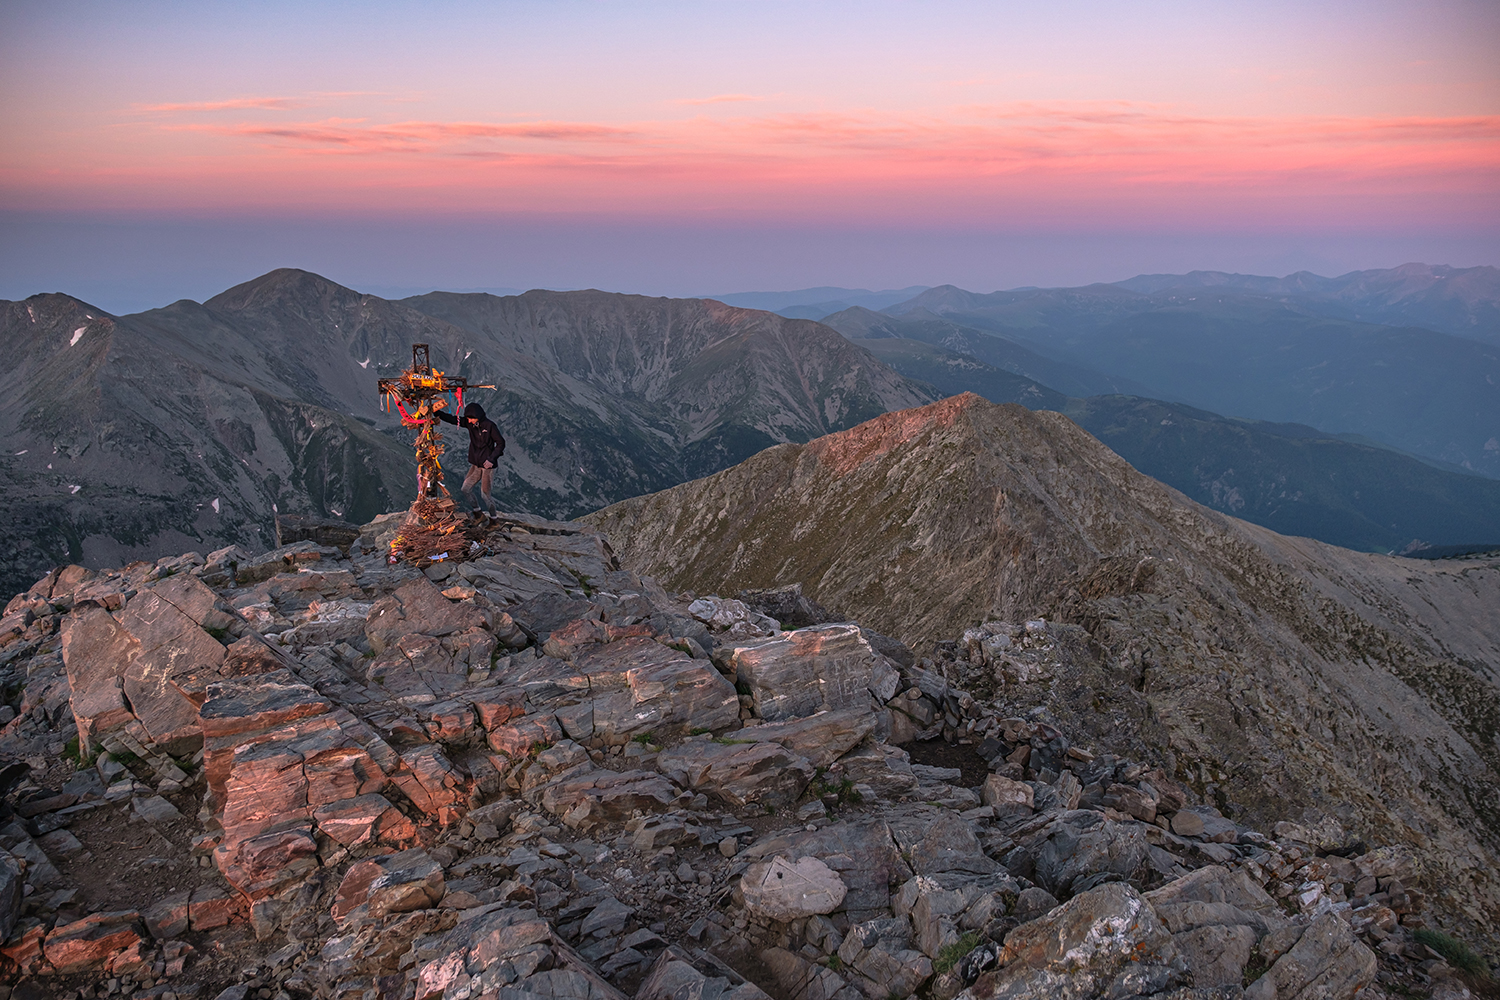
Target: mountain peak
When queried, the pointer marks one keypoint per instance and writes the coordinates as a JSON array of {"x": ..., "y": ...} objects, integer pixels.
[
  {"x": 847, "y": 450},
  {"x": 282, "y": 283}
]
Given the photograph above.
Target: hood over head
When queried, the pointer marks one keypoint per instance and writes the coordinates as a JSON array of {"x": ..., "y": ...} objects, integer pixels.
[{"x": 473, "y": 410}]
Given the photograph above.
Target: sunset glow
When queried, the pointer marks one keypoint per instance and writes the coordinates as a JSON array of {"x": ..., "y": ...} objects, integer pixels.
[{"x": 970, "y": 117}]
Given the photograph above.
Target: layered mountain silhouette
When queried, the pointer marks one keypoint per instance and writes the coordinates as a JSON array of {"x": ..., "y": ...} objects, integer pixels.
[
  {"x": 188, "y": 427},
  {"x": 1271, "y": 670}
]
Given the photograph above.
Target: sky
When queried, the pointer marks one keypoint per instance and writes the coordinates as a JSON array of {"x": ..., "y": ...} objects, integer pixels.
[{"x": 155, "y": 151}]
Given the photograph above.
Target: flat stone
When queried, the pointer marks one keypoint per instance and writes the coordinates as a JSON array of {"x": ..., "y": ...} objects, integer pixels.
[
  {"x": 784, "y": 890},
  {"x": 92, "y": 944},
  {"x": 607, "y": 918},
  {"x": 1327, "y": 961},
  {"x": 418, "y": 607},
  {"x": 739, "y": 773},
  {"x": 585, "y": 797},
  {"x": 154, "y": 809},
  {"x": 821, "y": 738}
]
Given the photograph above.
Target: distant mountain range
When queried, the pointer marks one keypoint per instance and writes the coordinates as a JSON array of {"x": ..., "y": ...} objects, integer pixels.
[
  {"x": 815, "y": 303},
  {"x": 189, "y": 426},
  {"x": 1462, "y": 301},
  {"x": 1203, "y": 340}
]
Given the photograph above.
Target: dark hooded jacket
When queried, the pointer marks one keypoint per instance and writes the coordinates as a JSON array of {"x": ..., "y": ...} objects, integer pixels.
[{"x": 485, "y": 441}]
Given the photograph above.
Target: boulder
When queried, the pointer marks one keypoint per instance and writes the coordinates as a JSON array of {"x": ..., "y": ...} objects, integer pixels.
[
  {"x": 432, "y": 783},
  {"x": 166, "y": 619},
  {"x": 784, "y": 890},
  {"x": 800, "y": 978},
  {"x": 1083, "y": 843},
  {"x": 394, "y": 883},
  {"x": 323, "y": 531},
  {"x": 880, "y": 959},
  {"x": 1216, "y": 954},
  {"x": 497, "y": 944},
  {"x": 733, "y": 617},
  {"x": 12, "y": 886},
  {"x": 1216, "y": 896},
  {"x": 95, "y": 650},
  {"x": 807, "y": 671},
  {"x": 934, "y": 841},
  {"x": 739, "y": 773},
  {"x": 1009, "y": 797},
  {"x": 1105, "y": 941},
  {"x": 863, "y": 854},
  {"x": 1132, "y": 801},
  {"x": 364, "y": 819},
  {"x": 637, "y": 685},
  {"x": 264, "y": 864},
  {"x": 884, "y": 769},
  {"x": 676, "y": 975},
  {"x": 1327, "y": 963}
]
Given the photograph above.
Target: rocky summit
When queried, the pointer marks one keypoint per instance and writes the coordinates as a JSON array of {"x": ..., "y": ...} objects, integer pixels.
[
  {"x": 513, "y": 769},
  {"x": 1282, "y": 679}
]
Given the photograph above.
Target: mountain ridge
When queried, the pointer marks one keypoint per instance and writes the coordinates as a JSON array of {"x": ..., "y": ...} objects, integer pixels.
[{"x": 1332, "y": 673}]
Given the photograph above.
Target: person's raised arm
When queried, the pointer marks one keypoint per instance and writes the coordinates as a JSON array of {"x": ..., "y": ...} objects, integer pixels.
[{"x": 447, "y": 417}]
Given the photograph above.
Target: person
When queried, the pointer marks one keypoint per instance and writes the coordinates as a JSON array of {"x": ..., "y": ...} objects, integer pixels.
[{"x": 486, "y": 445}]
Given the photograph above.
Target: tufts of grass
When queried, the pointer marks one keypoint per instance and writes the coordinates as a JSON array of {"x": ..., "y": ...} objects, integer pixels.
[
  {"x": 951, "y": 955},
  {"x": 1457, "y": 953}
]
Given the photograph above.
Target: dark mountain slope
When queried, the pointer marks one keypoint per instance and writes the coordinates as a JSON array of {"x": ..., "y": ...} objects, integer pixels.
[
  {"x": 1294, "y": 479},
  {"x": 1273, "y": 673},
  {"x": 718, "y": 382},
  {"x": 120, "y": 447}
]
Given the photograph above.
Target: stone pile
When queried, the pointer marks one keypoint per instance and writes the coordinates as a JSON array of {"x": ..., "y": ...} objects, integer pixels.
[{"x": 532, "y": 773}]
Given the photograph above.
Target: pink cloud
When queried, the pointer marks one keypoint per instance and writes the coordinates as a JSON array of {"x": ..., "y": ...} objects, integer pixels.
[
  {"x": 236, "y": 104},
  {"x": 1087, "y": 161},
  {"x": 719, "y": 99}
]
